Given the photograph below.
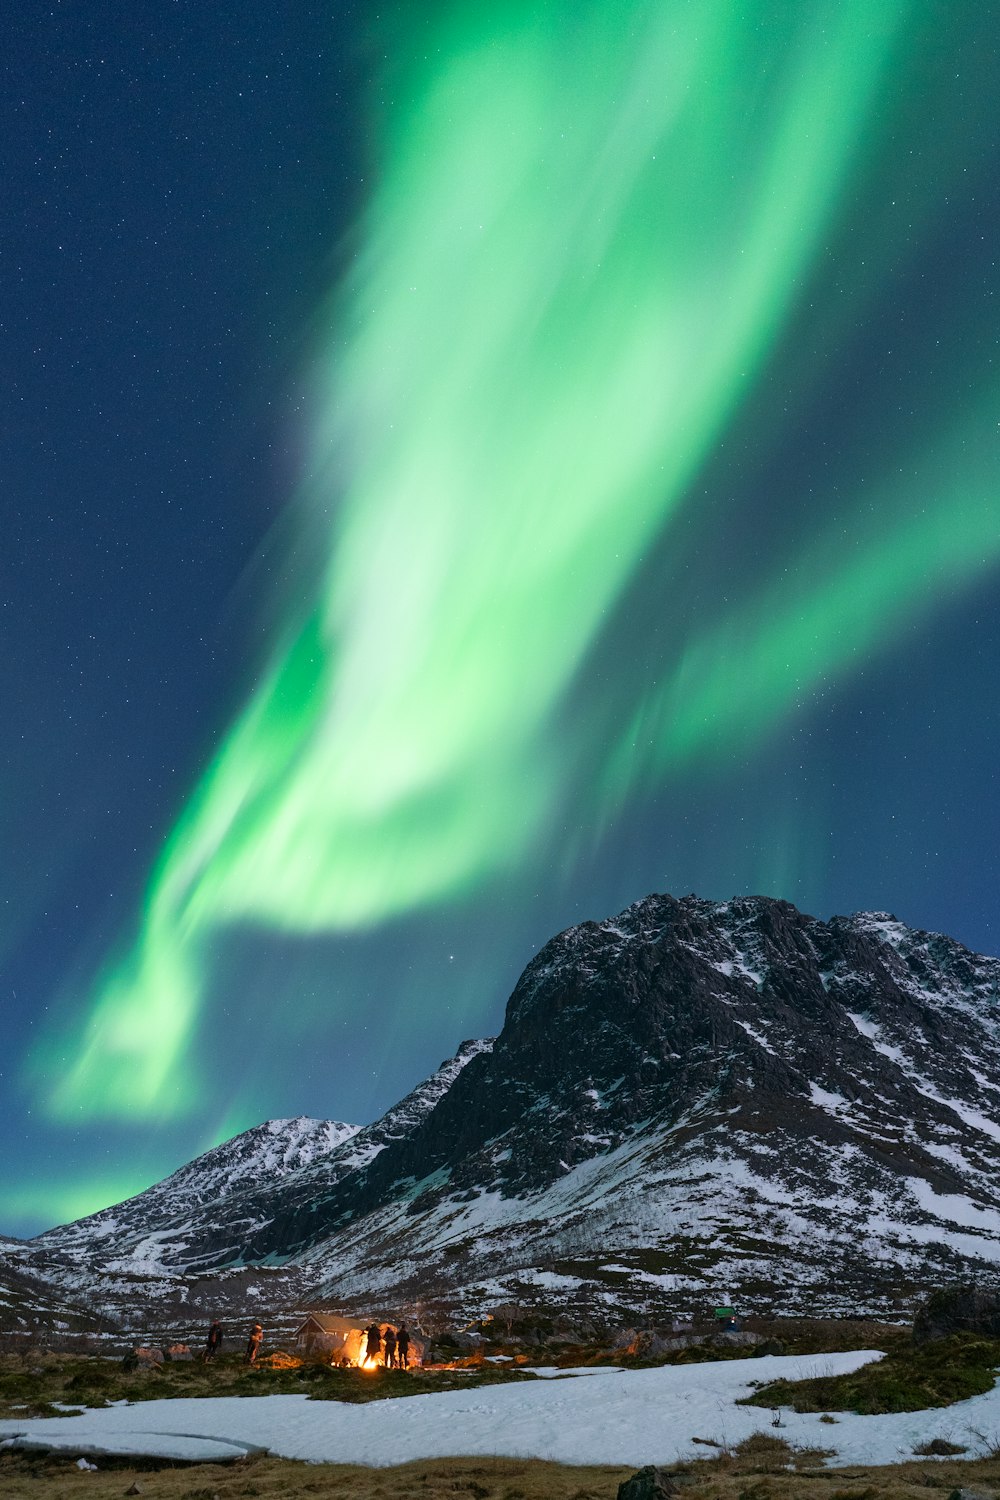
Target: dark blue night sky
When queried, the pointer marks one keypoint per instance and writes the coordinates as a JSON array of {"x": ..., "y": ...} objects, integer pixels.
[{"x": 425, "y": 529}]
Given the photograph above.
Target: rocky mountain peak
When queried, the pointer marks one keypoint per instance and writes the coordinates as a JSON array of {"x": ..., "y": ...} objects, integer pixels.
[{"x": 691, "y": 1095}]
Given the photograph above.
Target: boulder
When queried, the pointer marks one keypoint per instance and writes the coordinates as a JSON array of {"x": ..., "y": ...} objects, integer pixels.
[
  {"x": 142, "y": 1359},
  {"x": 960, "y": 1309},
  {"x": 644, "y": 1343},
  {"x": 466, "y": 1341},
  {"x": 575, "y": 1328},
  {"x": 662, "y": 1343},
  {"x": 649, "y": 1483}
]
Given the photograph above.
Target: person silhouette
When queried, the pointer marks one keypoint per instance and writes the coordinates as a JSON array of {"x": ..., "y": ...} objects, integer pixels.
[{"x": 253, "y": 1344}]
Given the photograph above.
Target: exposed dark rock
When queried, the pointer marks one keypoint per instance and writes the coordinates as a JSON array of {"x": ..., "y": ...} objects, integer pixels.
[
  {"x": 691, "y": 1101},
  {"x": 143, "y": 1359},
  {"x": 960, "y": 1309},
  {"x": 649, "y": 1483}
]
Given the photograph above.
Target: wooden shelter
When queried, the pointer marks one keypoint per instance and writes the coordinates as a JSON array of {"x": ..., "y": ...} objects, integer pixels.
[{"x": 322, "y": 1333}]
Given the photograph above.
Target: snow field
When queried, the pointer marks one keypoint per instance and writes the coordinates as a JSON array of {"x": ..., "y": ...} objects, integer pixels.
[{"x": 631, "y": 1417}]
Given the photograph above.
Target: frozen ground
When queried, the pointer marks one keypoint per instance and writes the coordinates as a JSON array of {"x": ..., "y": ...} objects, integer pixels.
[{"x": 611, "y": 1417}]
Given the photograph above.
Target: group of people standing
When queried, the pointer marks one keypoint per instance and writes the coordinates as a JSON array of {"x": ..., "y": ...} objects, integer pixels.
[{"x": 395, "y": 1343}]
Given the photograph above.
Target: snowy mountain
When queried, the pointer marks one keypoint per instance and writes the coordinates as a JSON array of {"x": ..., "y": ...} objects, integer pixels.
[
  {"x": 699, "y": 1098},
  {"x": 693, "y": 1099},
  {"x": 112, "y": 1262},
  {"x": 179, "y": 1253},
  {"x": 29, "y": 1301},
  {"x": 138, "y": 1228}
]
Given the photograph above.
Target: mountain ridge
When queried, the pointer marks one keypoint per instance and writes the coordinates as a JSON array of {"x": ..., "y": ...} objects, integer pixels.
[{"x": 691, "y": 1098}]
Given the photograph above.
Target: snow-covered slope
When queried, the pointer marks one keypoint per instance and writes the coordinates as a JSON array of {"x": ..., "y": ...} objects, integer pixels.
[
  {"x": 207, "y": 1215},
  {"x": 32, "y": 1304},
  {"x": 698, "y": 1097},
  {"x": 690, "y": 1100},
  {"x": 138, "y": 1228}
]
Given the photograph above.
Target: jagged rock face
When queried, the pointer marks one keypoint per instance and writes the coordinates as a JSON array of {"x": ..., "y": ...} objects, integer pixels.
[
  {"x": 698, "y": 1094},
  {"x": 30, "y": 1303},
  {"x": 681, "y": 1010},
  {"x": 693, "y": 1099}
]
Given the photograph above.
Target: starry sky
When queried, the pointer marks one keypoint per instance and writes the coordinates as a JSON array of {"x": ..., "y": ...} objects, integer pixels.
[{"x": 465, "y": 466}]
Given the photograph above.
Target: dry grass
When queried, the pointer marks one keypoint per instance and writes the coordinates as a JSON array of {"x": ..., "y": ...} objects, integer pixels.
[
  {"x": 30, "y": 1478},
  {"x": 911, "y": 1481},
  {"x": 754, "y": 1471},
  {"x": 30, "y": 1386},
  {"x": 763, "y": 1467}
]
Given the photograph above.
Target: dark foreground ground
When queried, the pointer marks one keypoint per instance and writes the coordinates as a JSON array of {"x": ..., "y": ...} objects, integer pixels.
[
  {"x": 34, "y": 1378},
  {"x": 762, "y": 1468},
  {"x": 748, "y": 1476}
]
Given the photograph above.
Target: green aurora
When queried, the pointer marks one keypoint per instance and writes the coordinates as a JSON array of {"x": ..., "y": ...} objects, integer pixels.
[{"x": 589, "y": 228}]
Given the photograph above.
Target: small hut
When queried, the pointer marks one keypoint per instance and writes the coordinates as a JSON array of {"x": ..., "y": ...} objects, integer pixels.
[{"x": 322, "y": 1334}]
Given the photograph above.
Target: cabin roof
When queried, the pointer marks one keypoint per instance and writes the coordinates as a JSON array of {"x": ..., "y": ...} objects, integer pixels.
[{"x": 328, "y": 1323}]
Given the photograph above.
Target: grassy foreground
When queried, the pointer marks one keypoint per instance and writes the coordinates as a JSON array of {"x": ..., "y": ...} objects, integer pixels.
[
  {"x": 756, "y": 1471},
  {"x": 32, "y": 1381},
  {"x": 911, "y": 1378},
  {"x": 30, "y": 1387},
  {"x": 763, "y": 1467}
]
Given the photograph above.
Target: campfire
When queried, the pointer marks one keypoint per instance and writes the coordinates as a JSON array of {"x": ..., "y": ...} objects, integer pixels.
[{"x": 342, "y": 1342}]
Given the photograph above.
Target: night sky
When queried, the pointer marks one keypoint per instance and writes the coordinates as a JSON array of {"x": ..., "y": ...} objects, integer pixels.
[{"x": 463, "y": 467}]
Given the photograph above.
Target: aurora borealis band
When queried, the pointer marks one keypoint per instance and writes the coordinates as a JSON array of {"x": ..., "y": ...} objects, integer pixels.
[{"x": 641, "y": 532}]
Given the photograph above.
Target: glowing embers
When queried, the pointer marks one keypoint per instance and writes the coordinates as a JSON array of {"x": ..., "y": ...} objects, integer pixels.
[{"x": 279, "y": 1360}]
